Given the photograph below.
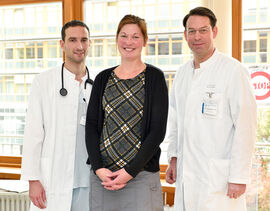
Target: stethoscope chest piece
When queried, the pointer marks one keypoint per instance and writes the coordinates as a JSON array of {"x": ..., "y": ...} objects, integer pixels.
[{"x": 63, "y": 92}]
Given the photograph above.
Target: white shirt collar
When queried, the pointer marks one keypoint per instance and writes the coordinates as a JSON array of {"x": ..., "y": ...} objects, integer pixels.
[
  {"x": 210, "y": 60},
  {"x": 72, "y": 76}
]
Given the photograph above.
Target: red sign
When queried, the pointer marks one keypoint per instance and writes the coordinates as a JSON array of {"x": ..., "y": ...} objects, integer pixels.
[{"x": 261, "y": 82}]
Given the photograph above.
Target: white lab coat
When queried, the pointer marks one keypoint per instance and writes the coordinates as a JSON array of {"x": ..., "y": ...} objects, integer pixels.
[
  {"x": 50, "y": 136},
  {"x": 211, "y": 131}
]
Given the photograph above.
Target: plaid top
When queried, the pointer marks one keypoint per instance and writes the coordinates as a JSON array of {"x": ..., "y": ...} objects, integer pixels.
[{"x": 123, "y": 102}]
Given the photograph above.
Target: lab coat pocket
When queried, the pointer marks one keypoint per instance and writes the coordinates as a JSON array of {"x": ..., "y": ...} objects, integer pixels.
[
  {"x": 219, "y": 173},
  {"x": 212, "y": 105}
]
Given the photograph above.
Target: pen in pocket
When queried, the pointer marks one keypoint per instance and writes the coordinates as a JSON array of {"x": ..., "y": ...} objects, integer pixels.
[{"x": 202, "y": 108}]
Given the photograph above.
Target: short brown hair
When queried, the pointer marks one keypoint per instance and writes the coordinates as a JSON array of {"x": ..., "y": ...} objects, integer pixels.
[
  {"x": 132, "y": 19},
  {"x": 201, "y": 11}
]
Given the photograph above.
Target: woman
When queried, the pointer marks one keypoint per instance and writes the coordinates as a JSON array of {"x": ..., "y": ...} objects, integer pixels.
[{"x": 125, "y": 124}]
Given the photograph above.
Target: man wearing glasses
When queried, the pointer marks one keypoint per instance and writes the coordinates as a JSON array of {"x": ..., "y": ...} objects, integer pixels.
[{"x": 211, "y": 125}]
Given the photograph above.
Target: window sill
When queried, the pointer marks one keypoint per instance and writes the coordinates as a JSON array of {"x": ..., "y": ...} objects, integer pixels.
[
  {"x": 10, "y": 167},
  {"x": 10, "y": 173}
]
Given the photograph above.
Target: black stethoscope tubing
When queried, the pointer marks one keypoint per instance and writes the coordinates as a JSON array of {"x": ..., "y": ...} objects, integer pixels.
[{"x": 63, "y": 91}]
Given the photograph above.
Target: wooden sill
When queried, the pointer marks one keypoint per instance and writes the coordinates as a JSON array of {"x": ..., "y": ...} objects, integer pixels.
[
  {"x": 10, "y": 173},
  {"x": 162, "y": 172},
  {"x": 11, "y": 160},
  {"x": 10, "y": 167}
]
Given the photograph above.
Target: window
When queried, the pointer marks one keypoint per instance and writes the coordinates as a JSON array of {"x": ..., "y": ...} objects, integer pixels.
[
  {"x": 177, "y": 45},
  {"x": 163, "y": 46},
  {"x": 256, "y": 56},
  {"x": 177, "y": 12},
  {"x": 98, "y": 46},
  {"x": 263, "y": 43},
  {"x": 112, "y": 49},
  {"x": 30, "y": 50},
  {"x": 163, "y": 11},
  {"x": 29, "y": 37},
  {"x": 39, "y": 50},
  {"x": 52, "y": 49},
  {"x": 263, "y": 15},
  {"x": 165, "y": 30},
  {"x": 9, "y": 53},
  {"x": 250, "y": 46},
  {"x": 111, "y": 11},
  {"x": 263, "y": 58},
  {"x": 151, "y": 46},
  {"x": 19, "y": 50}
]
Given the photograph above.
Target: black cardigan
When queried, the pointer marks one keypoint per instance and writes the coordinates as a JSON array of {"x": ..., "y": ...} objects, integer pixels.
[{"x": 154, "y": 121}]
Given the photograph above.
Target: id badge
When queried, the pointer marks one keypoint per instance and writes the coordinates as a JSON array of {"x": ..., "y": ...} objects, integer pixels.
[
  {"x": 210, "y": 108},
  {"x": 212, "y": 105},
  {"x": 83, "y": 120}
]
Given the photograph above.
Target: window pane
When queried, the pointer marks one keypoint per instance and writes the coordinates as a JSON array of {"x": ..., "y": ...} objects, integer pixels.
[
  {"x": 263, "y": 45},
  {"x": 177, "y": 45},
  {"x": 9, "y": 53},
  {"x": 30, "y": 53},
  {"x": 163, "y": 46},
  {"x": 40, "y": 53},
  {"x": 177, "y": 48},
  {"x": 250, "y": 46},
  {"x": 52, "y": 52},
  {"x": 98, "y": 45},
  {"x": 151, "y": 46},
  {"x": 20, "y": 53},
  {"x": 112, "y": 50}
]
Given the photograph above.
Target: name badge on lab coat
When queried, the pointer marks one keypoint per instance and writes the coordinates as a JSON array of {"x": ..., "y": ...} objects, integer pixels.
[
  {"x": 209, "y": 108},
  {"x": 212, "y": 105}
]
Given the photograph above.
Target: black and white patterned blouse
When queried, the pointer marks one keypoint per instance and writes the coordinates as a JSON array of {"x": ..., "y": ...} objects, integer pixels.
[{"x": 123, "y": 102}]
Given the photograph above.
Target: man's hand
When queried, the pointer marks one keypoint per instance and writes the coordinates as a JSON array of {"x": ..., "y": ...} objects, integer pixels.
[
  {"x": 236, "y": 190},
  {"x": 119, "y": 180},
  {"x": 171, "y": 171},
  {"x": 37, "y": 194},
  {"x": 104, "y": 174}
]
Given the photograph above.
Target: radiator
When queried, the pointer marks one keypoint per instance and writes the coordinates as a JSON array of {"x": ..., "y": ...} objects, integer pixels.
[{"x": 10, "y": 201}]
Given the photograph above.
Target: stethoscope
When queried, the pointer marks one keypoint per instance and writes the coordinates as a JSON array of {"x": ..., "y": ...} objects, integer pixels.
[{"x": 63, "y": 91}]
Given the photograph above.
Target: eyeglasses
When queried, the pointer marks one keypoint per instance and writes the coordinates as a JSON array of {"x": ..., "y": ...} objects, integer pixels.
[{"x": 203, "y": 30}]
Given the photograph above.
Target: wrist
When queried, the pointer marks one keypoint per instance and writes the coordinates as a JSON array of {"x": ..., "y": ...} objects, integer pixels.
[
  {"x": 33, "y": 181},
  {"x": 173, "y": 160}
]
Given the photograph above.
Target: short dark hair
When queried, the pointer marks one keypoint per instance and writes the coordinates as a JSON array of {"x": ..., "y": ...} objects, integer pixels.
[
  {"x": 201, "y": 11},
  {"x": 72, "y": 23}
]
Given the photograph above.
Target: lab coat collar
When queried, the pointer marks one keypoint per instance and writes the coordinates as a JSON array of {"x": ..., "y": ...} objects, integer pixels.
[
  {"x": 71, "y": 76},
  {"x": 210, "y": 60}
]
